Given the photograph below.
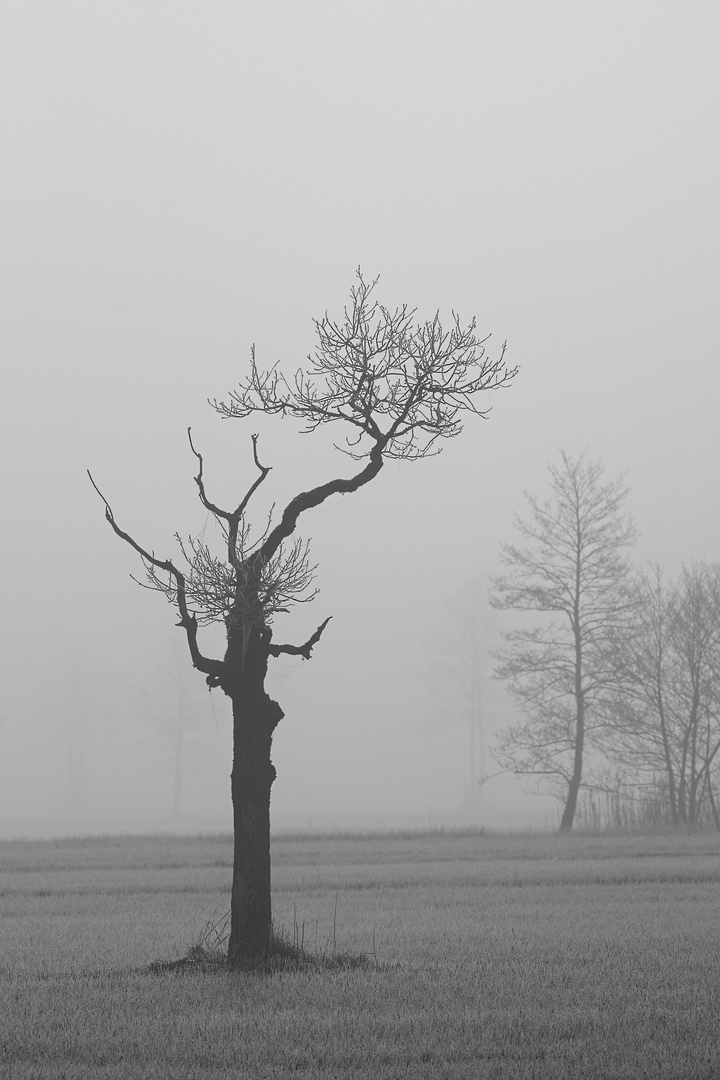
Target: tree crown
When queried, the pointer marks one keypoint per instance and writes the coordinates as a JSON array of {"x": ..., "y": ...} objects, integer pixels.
[
  {"x": 575, "y": 543},
  {"x": 400, "y": 386}
]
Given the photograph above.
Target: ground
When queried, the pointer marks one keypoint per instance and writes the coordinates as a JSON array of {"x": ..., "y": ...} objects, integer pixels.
[{"x": 488, "y": 956}]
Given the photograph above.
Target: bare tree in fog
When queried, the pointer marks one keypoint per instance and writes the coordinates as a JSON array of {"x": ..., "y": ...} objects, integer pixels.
[
  {"x": 571, "y": 567},
  {"x": 398, "y": 387},
  {"x": 457, "y": 668},
  {"x": 180, "y": 716},
  {"x": 83, "y": 702},
  {"x": 663, "y": 718}
]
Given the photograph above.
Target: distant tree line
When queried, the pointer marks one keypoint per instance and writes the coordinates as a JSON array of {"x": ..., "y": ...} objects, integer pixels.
[{"x": 616, "y": 669}]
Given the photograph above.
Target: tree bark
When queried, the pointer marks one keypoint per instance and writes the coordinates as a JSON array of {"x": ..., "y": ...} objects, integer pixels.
[
  {"x": 255, "y": 717},
  {"x": 252, "y": 777}
]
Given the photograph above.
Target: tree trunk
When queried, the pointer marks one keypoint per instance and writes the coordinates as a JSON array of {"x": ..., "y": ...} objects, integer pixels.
[
  {"x": 568, "y": 817},
  {"x": 713, "y": 804},
  {"x": 255, "y": 717},
  {"x": 667, "y": 752}
]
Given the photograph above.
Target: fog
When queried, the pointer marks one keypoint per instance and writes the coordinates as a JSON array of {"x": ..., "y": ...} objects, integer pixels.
[{"x": 182, "y": 180}]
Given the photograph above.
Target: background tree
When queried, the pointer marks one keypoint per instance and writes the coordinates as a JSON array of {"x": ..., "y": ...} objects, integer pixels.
[
  {"x": 85, "y": 699},
  {"x": 457, "y": 670},
  {"x": 663, "y": 716},
  {"x": 399, "y": 387},
  {"x": 572, "y": 568},
  {"x": 181, "y": 718}
]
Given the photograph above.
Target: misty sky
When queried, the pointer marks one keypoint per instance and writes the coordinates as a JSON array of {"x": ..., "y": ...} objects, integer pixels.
[{"x": 182, "y": 180}]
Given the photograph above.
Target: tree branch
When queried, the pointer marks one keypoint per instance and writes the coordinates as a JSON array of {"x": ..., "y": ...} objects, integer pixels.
[
  {"x": 188, "y": 620},
  {"x": 234, "y": 517},
  {"x": 401, "y": 384},
  {"x": 300, "y": 650},
  {"x": 306, "y": 500}
]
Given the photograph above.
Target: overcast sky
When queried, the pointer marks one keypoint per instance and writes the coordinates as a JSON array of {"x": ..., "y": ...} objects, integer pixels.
[{"x": 182, "y": 180}]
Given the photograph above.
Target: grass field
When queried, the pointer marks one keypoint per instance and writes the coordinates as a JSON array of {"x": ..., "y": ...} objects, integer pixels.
[{"x": 490, "y": 956}]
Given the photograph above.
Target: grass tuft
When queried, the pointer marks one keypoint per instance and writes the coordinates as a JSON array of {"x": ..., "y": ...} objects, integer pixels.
[{"x": 287, "y": 953}]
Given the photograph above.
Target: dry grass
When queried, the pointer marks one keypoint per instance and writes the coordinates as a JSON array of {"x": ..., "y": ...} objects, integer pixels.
[{"x": 541, "y": 957}]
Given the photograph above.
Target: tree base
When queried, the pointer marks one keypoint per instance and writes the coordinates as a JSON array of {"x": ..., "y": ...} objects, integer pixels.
[{"x": 284, "y": 956}]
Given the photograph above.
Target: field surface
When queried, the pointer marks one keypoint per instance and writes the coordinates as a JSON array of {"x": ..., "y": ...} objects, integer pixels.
[{"x": 489, "y": 956}]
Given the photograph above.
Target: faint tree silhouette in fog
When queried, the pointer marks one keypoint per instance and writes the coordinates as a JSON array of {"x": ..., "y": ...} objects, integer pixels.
[
  {"x": 84, "y": 698},
  {"x": 457, "y": 671},
  {"x": 663, "y": 718},
  {"x": 181, "y": 718},
  {"x": 570, "y": 567},
  {"x": 398, "y": 387}
]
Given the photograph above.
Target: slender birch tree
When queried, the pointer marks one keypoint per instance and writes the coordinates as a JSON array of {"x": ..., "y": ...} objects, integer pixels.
[
  {"x": 570, "y": 568},
  {"x": 398, "y": 387}
]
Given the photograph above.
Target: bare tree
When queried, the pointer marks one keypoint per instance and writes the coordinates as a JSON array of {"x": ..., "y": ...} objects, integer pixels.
[
  {"x": 696, "y": 643},
  {"x": 399, "y": 387},
  {"x": 572, "y": 568},
  {"x": 663, "y": 716}
]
